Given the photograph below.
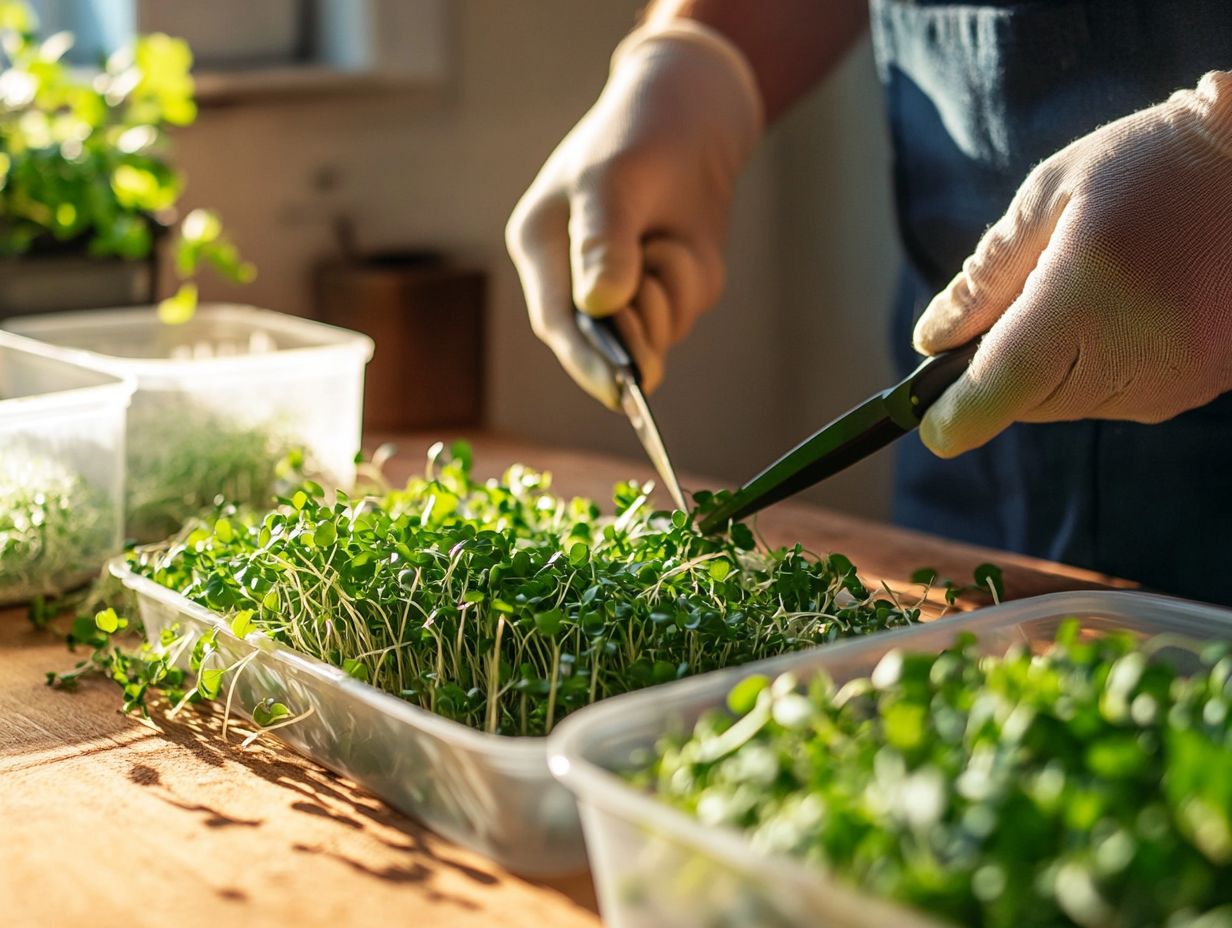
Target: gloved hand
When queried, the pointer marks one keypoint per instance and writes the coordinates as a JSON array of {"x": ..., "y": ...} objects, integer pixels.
[
  {"x": 629, "y": 214},
  {"x": 1106, "y": 289}
]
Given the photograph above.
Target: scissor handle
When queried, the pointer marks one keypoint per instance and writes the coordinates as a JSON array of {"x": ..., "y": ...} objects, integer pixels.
[
  {"x": 937, "y": 374},
  {"x": 603, "y": 336}
]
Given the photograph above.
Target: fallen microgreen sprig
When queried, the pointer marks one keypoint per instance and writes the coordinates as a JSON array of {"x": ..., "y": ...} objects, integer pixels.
[
  {"x": 504, "y": 607},
  {"x": 153, "y": 669},
  {"x": 1090, "y": 785},
  {"x": 987, "y": 579}
]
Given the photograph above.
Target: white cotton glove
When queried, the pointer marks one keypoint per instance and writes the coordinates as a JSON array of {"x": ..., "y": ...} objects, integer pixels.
[
  {"x": 1106, "y": 289},
  {"x": 629, "y": 214}
]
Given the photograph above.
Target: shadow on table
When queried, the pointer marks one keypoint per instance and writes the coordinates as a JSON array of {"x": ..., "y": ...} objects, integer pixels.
[
  {"x": 39, "y": 725},
  {"x": 324, "y": 794}
]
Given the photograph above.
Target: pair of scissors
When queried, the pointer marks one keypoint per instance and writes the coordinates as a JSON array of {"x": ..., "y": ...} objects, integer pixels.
[
  {"x": 602, "y": 335},
  {"x": 869, "y": 427}
]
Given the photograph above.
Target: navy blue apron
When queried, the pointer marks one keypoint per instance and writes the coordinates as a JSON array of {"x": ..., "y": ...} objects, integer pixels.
[{"x": 977, "y": 94}]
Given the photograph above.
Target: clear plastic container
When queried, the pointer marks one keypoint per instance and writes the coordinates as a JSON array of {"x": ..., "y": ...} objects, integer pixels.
[
  {"x": 61, "y": 469},
  {"x": 656, "y": 866},
  {"x": 491, "y": 793},
  {"x": 220, "y": 401}
]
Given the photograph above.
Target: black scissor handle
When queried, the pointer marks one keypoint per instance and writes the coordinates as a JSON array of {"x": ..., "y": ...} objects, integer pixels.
[
  {"x": 937, "y": 374},
  {"x": 602, "y": 335}
]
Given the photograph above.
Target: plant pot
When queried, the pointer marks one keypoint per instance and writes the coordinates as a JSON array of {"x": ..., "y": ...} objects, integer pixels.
[{"x": 48, "y": 283}]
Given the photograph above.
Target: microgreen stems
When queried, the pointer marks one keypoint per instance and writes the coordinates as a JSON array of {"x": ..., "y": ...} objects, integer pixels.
[{"x": 552, "y": 684}]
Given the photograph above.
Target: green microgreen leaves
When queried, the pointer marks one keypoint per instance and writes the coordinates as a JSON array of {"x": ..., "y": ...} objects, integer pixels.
[
  {"x": 1083, "y": 786},
  {"x": 988, "y": 576},
  {"x": 503, "y": 606},
  {"x": 242, "y": 623},
  {"x": 180, "y": 307},
  {"x": 201, "y": 242},
  {"x": 549, "y": 623},
  {"x": 209, "y": 682},
  {"x": 138, "y": 673},
  {"x": 269, "y": 712},
  {"x": 108, "y": 622}
]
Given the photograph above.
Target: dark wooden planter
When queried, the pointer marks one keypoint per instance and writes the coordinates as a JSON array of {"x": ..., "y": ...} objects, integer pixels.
[
  {"x": 426, "y": 318},
  {"x": 48, "y": 283}
]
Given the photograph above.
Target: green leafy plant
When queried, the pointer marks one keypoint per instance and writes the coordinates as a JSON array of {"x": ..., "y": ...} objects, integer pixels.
[
  {"x": 503, "y": 606},
  {"x": 55, "y": 528},
  {"x": 84, "y": 160},
  {"x": 1089, "y": 785}
]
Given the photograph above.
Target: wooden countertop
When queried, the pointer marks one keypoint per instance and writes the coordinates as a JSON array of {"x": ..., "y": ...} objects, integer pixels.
[{"x": 106, "y": 821}]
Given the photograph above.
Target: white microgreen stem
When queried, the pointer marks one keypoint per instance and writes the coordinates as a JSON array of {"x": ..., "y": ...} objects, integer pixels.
[
  {"x": 236, "y": 669},
  {"x": 253, "y": 736}
]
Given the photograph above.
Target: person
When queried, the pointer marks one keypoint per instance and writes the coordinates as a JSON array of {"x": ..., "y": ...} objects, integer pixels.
[{"x": 1063, "y": 181}]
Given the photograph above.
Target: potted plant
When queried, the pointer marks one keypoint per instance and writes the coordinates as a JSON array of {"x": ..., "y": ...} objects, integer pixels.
[{"x": 87, "y": 190}]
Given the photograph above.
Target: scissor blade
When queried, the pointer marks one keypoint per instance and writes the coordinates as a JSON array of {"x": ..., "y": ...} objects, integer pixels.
[
  {"x": 633, "y": 401},
  {"x": 850, "y": 438}
]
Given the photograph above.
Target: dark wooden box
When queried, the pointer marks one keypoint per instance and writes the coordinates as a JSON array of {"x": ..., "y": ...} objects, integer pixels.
[{"x": 427, "y": 319}]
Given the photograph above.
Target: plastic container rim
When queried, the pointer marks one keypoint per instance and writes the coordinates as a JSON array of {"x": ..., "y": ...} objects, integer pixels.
[
  {"x": 596, "y": 786},
  {"x": 324, "y": 335},
  {"x": 114, "y": 388}
]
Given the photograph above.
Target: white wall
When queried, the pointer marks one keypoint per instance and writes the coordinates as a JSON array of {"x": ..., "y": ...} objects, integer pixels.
[{"x": 797, "y": 338}]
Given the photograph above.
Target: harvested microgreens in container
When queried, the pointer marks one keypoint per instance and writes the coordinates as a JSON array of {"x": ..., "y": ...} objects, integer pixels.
[
  {"x": 55, "y": 528},
  {"x": 1089, "y": 785},
  {"x": 500, "y": 605},
  {"x": 183, "y": 458}
]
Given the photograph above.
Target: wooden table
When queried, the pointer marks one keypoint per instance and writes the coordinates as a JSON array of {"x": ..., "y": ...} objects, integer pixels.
[{"x": 105, "y": 821}]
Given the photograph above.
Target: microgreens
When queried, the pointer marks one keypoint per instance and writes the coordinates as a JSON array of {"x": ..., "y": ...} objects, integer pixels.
[
  {"x": 182, "y": 458},
  {"x": 55, "y": 528},
  {"x": 1089, "y": 785},
  {"x": 503, "y": 606}
]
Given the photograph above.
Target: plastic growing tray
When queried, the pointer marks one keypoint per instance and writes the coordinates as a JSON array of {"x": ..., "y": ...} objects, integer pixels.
[
  {"x": 656, "y": 866},
  {"x": 492, "y": 793},
  {"x": 220, "y": 399},
  {"x": 61, "y": 469}
]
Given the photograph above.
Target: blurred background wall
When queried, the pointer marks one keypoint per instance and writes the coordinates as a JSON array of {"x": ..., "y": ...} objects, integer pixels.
[{"x": 800, "y": 333}]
